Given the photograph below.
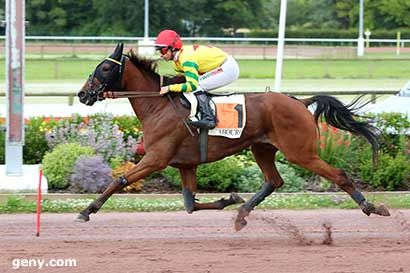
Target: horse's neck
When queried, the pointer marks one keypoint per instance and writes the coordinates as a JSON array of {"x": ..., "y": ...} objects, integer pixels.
[{"x": 143, "y": 81}]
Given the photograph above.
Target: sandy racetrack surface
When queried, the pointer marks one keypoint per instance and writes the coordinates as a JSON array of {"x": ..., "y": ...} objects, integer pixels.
[{"x": 274, "y": 241}]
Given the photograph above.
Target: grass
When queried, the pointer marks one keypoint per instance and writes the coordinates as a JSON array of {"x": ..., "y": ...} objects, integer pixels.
[
  {"x": 148, "y": 203},
  {"x": 79, "y": 69},
  {"x": 326, "y": 69}
]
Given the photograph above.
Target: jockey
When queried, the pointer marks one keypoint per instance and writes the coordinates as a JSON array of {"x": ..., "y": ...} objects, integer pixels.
[{"x": 205, "y": 68}]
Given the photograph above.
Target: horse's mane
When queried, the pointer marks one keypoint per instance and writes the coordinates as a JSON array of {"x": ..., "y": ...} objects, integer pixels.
[
  {"x": 147, "y": 64},
  {"x": 151, "y": 66}
]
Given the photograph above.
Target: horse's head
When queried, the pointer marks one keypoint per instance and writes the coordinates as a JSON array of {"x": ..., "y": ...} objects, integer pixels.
[{"x": 106, "y": 76}]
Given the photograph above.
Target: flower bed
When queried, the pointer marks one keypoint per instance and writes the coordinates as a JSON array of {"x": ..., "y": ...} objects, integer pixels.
[{"x": 113, "y": 142}]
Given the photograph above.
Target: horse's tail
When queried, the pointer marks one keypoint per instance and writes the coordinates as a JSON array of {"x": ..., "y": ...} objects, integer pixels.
[{"x": 343, "y": 117}]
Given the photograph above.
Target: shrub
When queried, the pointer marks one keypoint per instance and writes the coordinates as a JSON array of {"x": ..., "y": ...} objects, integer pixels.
[
  {"x": 232, "y": 173},
  {"x": 35, "y": 143},
  {"x": 121, "y": 170},
  {"x": 252, "y": 179},
  {"x": 90, "y": 175},
  {"x": 219, "y": 175},
  {"x": 216, "y": 176},
  {"x": 172, "y": 175},
  {"x": 292, "y": 181},
  {"x": 333, "y": 146},
  {"x": 129, "y": 125},
  {"x": 392, "y": 173},
  {"x": 305, "y": 32},
  {"x": 58, "y": 164},
  {"x": 100, "y": 133},
  {"x": 394, "y": 127}
]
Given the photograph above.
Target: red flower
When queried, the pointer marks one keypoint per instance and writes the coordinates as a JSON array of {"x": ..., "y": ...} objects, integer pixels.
[
  {"x": 322, "y": 145},
  {"x": 324, "y": 126}
]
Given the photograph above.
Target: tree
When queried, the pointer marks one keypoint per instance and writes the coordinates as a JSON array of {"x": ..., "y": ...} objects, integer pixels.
[
  {"x": 347, "y": 13},
  {"x": 395, "y": 13},
  {"x": 204, "y": 17},
  {"x": 61, "y": 17},
  {"x": 233, "y": 14},
  {"x": 322, "y": 14}
]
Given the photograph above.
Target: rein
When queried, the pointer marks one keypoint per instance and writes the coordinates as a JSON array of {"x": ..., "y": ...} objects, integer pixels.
[
  {"x": 129, "y": 94},
  {"x": 132, "y": 94}
]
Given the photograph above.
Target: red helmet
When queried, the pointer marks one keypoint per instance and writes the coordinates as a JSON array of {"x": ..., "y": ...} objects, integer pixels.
[{"x": 168, "y": 38}]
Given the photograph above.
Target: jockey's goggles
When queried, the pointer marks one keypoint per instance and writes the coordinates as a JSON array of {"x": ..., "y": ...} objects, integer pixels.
[{"x": 162, "y": 49}]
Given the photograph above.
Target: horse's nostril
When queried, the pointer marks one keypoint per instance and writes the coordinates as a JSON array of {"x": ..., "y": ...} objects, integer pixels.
[{"x": 82, "y": 94}]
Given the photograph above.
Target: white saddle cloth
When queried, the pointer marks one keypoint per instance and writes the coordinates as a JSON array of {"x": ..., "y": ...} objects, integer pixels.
[{"x": 230, "y": 112}]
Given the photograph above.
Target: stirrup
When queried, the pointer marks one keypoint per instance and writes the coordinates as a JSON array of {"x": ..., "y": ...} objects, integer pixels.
[{"x": 203, "y": 124}]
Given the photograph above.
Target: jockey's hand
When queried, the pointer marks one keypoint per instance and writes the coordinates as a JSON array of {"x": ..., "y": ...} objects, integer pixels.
[{"x": 164, "y": 90}]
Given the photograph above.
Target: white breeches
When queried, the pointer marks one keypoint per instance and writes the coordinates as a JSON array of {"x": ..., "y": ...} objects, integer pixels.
[{"x": 221, "y": 76}]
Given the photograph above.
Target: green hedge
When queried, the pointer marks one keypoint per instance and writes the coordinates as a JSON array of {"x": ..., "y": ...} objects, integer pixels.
[{"x": 330, "y": 33}]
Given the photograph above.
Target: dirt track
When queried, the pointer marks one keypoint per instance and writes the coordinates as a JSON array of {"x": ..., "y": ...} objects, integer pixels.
[{"x": 274, "y": 241}]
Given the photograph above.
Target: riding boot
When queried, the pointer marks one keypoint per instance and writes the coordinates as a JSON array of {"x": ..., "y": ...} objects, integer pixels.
[{"x": 207, "y": 118}]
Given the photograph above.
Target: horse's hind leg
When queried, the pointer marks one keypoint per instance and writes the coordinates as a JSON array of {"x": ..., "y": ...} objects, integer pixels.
[
  {"x": 188, "y": 176},
  {"x": 265, "y": 158},
  {"x": 340, "y": 178}
]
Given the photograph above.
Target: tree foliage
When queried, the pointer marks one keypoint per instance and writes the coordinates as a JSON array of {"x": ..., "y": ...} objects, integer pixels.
[{"x": 204, "y": 17}]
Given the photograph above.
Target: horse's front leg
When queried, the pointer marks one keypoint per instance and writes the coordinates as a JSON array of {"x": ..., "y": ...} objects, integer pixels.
[
  {"x": 145, "y": 167},
  {"x": 189, "y": 187}
]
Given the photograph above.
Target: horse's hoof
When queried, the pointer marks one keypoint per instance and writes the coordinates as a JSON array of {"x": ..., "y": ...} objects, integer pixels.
[
  {"x": 240, "y": 224},
  {"x": 382, "y": 210},
  {"x": 189, "y": 210},
  {"x": 367, "y": 208},
  {"x": 240, "y": 221},
  {"x": 82, "y": 218},
  {"x": 236, "y": 198},
  {"x": 189, "y": 200}
]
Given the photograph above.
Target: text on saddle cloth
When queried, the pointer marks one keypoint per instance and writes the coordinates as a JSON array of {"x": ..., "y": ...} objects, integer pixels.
[{"x": 230, "y": 112}]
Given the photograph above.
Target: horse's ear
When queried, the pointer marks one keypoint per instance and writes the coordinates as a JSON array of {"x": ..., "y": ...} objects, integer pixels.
[{"x": 118, "y": 52}]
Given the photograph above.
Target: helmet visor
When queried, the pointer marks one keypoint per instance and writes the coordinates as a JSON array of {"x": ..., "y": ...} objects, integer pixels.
[{"x": 162, "y": 49}]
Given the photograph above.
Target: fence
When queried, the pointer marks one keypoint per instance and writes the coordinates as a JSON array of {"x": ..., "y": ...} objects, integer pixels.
[
  {"x": 264, "y": 48},
  {"x": 373, "y": 94}
]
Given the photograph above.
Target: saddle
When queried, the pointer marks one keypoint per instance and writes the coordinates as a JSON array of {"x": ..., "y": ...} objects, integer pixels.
[
  {"x": 187, "y": 104},
  {"x": 229, "y": 110}
]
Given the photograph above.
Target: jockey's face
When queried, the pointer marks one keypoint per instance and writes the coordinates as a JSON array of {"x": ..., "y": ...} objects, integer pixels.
[{"x": 168, "y": 55}]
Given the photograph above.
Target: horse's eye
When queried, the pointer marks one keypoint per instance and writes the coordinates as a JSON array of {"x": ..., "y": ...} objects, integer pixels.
[{"x": 106, "y": 68}]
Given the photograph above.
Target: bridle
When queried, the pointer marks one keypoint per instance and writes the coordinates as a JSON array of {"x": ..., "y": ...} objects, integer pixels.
[
  {"x": 112, "y": 81},
  {"x": 99, "y": 92},
  {"x": 115, "y": 92}
]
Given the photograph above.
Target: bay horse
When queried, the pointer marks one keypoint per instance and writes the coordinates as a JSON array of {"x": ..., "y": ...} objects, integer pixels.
[{"x": 274, "y": 122}]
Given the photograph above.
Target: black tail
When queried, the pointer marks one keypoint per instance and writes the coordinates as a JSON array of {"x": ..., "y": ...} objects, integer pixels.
[{"x": 343, "y": 117}]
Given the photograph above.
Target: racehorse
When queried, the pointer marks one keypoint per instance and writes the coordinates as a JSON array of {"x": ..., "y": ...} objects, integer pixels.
[{"x": 274, "y": 122}]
